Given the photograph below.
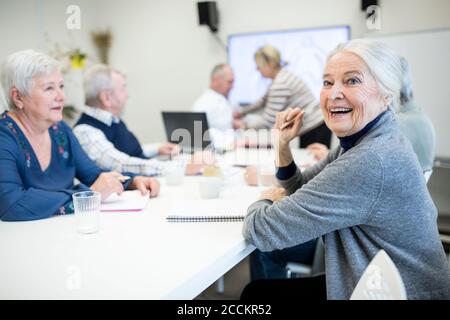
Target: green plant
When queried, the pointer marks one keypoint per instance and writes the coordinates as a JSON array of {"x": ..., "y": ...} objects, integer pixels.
[{"x": 69, "y": 112}]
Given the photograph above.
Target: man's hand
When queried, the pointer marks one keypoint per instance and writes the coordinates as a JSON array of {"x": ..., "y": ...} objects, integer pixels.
[{"x": 168, "y": 149}]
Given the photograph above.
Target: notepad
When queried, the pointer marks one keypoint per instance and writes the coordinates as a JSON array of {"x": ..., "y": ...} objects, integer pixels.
[
  {"x": 127, "y": 201},
  {"x": 214, "y": 210}
]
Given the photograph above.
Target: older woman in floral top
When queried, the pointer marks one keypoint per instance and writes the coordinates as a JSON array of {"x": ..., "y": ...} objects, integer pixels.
[{"x": 39, "y": 155}]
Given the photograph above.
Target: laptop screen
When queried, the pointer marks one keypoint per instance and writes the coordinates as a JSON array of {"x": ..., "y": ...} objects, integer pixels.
[{"x": 187, "y": 129}]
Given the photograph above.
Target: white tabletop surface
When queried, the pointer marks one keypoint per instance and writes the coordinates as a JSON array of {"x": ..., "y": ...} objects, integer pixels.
[{"x": 135, "y": 255}]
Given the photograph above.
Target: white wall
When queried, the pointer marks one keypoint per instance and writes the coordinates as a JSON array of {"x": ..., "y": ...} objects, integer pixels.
[
  {"x": 40, "y": 24},
  {"x": 168, "y": 57}
]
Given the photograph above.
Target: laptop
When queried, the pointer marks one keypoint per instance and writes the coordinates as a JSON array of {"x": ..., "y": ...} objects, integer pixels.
[{"x": 187, "y": 129}]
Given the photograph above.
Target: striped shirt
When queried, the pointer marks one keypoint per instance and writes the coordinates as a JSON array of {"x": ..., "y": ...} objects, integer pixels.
[
  {"x": 287, "y": 90},
  {"x": 106, "y": 156}
]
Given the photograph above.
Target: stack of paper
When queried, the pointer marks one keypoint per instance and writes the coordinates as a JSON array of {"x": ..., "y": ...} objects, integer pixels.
[{"x": 127, "y": 201}]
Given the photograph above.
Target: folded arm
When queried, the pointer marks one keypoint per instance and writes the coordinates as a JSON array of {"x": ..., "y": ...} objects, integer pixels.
[{"x": 344, "y": 194}]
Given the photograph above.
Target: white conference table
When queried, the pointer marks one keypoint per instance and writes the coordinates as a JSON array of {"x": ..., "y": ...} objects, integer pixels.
[{"x": 135, "y": 255}]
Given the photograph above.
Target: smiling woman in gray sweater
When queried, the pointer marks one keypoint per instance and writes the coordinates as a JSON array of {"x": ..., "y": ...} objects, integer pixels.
[{"x": 368, "y": 194}]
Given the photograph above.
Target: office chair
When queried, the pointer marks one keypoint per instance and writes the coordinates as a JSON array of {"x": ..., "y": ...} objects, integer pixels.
[
  {"x": 380, "y": 281},
  {"x": 317, "y": 267},
  {"x": 427, "y": 175},
  {"x": 220, "y": 285},
  {"x": 443, "y": 221}
]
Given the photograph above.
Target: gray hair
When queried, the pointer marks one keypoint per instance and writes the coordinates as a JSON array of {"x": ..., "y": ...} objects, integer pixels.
[
  {"x": 97, "y": 79},
  {"x": 406, "y": 91},
  {"x": 20, "y": 68},
  {"x": 217, "y": 71},
  {"x": 383, "y": 63}
]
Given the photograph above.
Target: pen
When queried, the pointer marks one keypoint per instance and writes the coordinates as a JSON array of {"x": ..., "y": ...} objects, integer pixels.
[
  {"x": 288, "y": 123},
  {"x": 124, "y": 178}
]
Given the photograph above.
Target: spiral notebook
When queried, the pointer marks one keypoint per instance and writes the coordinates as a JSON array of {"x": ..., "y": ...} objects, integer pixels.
[{"x": 214, "y": 210}]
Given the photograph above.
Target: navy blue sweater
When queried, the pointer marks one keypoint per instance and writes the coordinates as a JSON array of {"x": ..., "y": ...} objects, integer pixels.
[{"x": 119, "y": 135}]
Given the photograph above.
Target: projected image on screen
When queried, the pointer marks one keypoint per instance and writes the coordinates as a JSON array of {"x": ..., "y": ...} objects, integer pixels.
[{"x": 305, "y": 52}]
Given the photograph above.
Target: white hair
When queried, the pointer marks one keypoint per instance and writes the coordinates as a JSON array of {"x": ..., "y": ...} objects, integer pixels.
[
  {"x": 383, "y": 63},
  {"x": 20, "y": 68},
  {"x": 97, "y": 79}
]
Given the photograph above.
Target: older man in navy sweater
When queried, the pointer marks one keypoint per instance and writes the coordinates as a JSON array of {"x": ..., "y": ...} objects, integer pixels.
[{"x": 104, "y": 136}]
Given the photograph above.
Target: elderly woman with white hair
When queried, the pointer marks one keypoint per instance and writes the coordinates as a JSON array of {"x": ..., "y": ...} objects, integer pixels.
[
  {"x": 413, "y": 121},
  {"x": 39, "y": 155},
  {"x": 368, "y": 194}
]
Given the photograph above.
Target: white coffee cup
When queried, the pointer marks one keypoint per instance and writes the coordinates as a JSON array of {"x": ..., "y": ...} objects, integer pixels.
[
  {"x": 266, "y": 175},
  {"x": 174, "y": 176},
  {"x": 209, "y": 187}
]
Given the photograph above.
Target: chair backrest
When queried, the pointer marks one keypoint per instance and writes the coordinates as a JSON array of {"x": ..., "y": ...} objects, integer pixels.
[
  {"x": 427, "y": 174},
  {"x": 317, "y": 267},
  {"x": 380, "y": 281}
]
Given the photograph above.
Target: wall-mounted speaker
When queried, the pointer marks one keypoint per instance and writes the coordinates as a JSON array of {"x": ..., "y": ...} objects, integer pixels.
[
  {"x": 208, "y": 15},
  {"x": 367, "y": 3}
]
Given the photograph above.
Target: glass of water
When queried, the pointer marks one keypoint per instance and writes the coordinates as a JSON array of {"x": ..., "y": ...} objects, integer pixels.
[{"x": 87, "y": 210}]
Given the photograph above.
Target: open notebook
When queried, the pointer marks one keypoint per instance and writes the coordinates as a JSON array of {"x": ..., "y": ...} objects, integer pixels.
[
  {"x": 211, "y": 210},
  {"x": 127, "y": 201}
]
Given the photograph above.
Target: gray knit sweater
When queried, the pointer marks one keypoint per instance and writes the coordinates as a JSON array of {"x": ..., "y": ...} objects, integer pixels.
[{"x": 369, "y": 198}]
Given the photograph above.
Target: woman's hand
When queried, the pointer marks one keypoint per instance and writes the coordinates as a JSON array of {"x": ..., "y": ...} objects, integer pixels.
[
  {"x": 319, "y": 150},
  {"x": 273, "y": 194},
  {"x": 237, "y": 115},
  {"x": 145, "y": 185},
  {"x": 287, "y": 125},
  {"x": 108, "y": 183}
]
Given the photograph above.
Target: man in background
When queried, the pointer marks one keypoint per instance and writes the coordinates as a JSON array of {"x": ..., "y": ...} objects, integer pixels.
[
  {"x": 214, "y": 102},
  {"x": 103, "y": 134}
]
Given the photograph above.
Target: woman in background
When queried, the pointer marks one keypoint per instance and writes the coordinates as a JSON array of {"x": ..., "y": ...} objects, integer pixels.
[{"x": 286, "y": 90}]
